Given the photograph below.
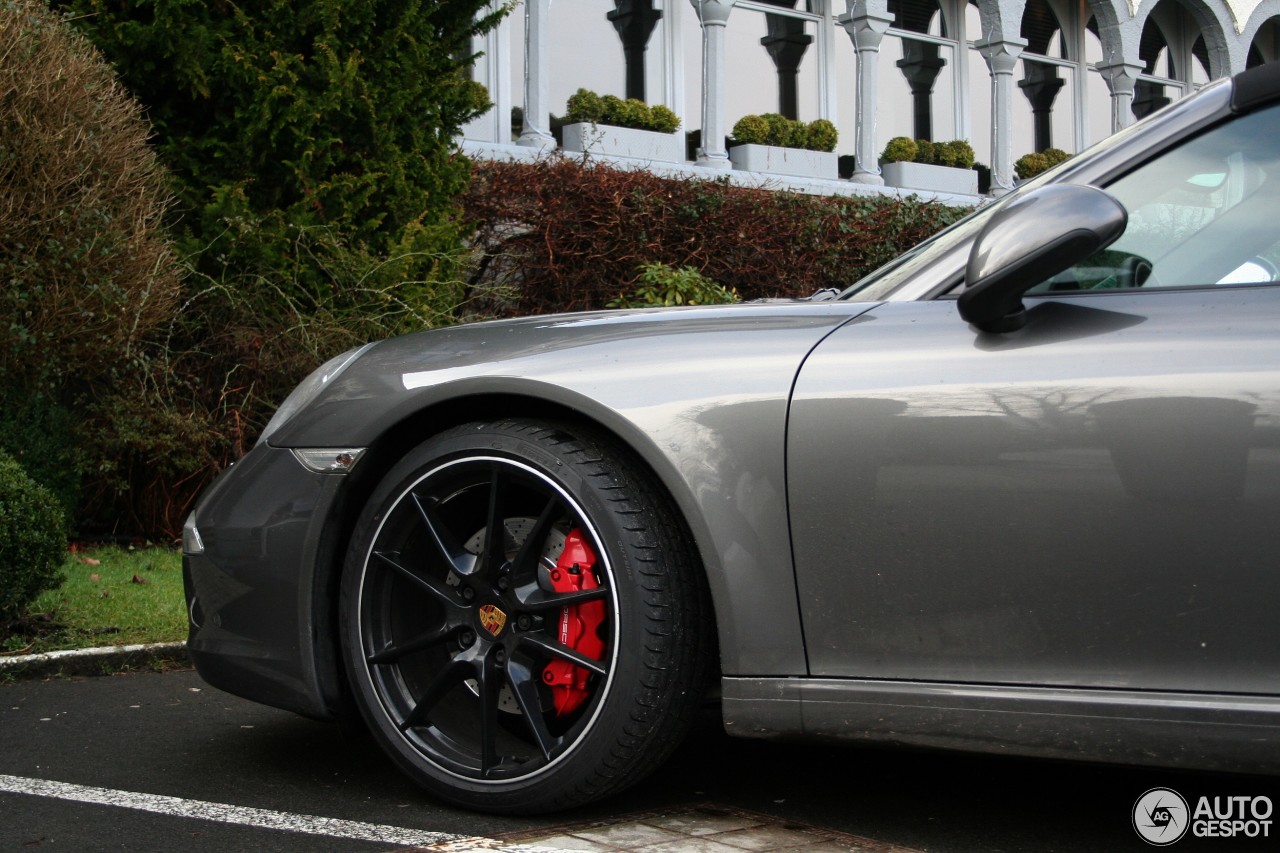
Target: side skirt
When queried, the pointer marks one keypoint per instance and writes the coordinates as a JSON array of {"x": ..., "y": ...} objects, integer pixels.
[{"x": 1205, "y": 731}]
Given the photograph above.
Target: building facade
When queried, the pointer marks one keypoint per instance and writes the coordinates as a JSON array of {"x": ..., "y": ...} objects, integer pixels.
[{"x": 1010, "y": 76}]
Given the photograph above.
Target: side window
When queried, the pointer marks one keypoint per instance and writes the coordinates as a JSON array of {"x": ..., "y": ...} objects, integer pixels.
[{"x": 1205, "y": 213}]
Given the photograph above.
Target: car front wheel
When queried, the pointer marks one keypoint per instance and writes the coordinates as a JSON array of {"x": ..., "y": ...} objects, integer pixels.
[{"x": 523, "y": 622}]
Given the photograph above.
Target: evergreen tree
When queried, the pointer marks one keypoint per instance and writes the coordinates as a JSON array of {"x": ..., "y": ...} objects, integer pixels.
[{"x": 310, "y": 139}]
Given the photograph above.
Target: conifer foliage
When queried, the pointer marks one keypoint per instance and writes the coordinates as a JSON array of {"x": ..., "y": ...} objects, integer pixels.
[{"x": 288, "y": 124}]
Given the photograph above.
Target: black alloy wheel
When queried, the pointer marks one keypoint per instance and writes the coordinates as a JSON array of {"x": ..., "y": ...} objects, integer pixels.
[{"x": 500, "y": 604}]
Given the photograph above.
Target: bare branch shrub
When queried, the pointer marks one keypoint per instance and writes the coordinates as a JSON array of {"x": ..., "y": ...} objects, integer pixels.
[
  {"x": 85, "y": 270},
  {"x": 87, "y": 275},
  {"x": 558, "y": 235}
]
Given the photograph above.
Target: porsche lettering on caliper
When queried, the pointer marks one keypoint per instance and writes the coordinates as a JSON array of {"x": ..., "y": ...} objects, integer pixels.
[{"x": 579, "y": 627}]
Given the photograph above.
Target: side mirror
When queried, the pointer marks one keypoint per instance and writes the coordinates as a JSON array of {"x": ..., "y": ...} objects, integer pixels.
[{"x": 1030, "y": 239}]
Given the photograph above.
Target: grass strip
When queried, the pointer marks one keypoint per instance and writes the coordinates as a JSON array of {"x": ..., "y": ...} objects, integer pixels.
[{"x": 110, "y": 596}]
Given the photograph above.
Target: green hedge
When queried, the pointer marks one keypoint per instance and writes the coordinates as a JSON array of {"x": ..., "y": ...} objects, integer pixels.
[{"x": 32, "y": 540}]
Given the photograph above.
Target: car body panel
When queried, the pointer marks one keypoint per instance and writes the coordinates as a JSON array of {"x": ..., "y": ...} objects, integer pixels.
[
  {"x": 1088, "y": 503},
  {"x": 251, "y": 594}
]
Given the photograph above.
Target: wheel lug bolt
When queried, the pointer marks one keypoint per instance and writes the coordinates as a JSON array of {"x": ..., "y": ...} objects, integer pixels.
[
  {"x": 523, "y": 622},
  {"x": 466, "y": 639},
  {"x": 468, "y": 593},
  {"x": 500, "y": 655},
  {"x": 503, "y": 583}
]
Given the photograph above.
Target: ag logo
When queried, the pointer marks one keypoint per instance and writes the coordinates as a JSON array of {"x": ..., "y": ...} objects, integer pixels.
[
  {"x": 493, "y": 619},
  {"x": 1161, "y": 816}
]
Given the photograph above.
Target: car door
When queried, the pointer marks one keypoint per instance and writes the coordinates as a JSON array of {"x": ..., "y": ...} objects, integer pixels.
[{"x": 1090, "y": 501}]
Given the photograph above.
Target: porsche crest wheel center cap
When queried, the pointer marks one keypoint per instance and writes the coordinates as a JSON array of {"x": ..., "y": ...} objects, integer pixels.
[{"x": 493, "y": 619}]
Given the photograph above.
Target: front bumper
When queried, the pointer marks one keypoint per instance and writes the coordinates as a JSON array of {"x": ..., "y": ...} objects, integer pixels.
[{"x": 261, "y": 592}]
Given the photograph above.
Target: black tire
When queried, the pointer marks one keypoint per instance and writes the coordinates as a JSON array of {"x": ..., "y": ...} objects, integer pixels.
[{"x": 451, "y": 636}]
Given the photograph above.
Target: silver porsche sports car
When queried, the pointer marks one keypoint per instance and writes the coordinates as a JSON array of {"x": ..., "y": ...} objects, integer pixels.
[{"x": 1017, "y": 491}]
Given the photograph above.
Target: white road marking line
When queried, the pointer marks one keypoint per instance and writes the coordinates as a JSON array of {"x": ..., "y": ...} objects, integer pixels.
[{"x": 259, "y": 818}]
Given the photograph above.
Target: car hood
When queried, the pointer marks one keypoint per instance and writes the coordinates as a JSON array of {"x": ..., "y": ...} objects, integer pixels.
[{"x": 605, "y": 364}]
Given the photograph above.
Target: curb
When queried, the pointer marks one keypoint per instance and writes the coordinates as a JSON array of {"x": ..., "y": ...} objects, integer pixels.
[{"x": 105, "y": 660}]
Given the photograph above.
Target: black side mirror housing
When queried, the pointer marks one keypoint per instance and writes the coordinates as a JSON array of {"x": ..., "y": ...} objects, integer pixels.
[{"x": 1030, "y": 239}]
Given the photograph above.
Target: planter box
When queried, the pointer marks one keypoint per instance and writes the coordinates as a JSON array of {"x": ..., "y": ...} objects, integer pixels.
[
  {"x": 797, "y": 162},
  {"x": 923, "y": 176},
  {"x": 610, "y": 141}
]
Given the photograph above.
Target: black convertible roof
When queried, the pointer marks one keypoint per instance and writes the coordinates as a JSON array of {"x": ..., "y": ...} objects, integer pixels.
[{"x": 1255, "y": 87}]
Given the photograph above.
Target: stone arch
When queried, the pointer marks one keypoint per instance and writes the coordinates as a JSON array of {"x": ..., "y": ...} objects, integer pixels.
[
  {"x": 1040, "y": 23},
  {"x": 952, "y": 16},
  {"x": 1265, "y": 12},
  {"x": 1117, "y": 30},
  {"x": 1041, "y": 82},
  {"x": 1217, "y": 24},
  {"x": 1119, "y": 35},
  {"x": 915, "y": 15},
  {"x": 923, "y": 61},
  {"x": 1264, "y": 47},
  {"x": 1001, "y": 19}
]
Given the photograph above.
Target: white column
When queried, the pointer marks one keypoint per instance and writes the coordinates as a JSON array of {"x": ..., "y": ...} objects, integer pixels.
[
  {"x": 963, "y": 108},
  {"x": 536, "y": 132},
  {"x": 866, "y": 29},
  {"x": 493, "y": 69},
  {"x": 1121, "y": 78},
  {"x": 673, "y": 94},
  {"x": 828, "y": 88},
  {"x": 714, "y": 17},
  {"x": 1002, "y": 58}
]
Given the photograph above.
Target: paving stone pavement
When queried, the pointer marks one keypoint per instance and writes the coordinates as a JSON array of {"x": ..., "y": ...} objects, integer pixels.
[{"x": 693, "y": 829}]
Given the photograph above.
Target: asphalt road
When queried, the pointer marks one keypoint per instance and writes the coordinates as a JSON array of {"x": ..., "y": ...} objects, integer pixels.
[{"x": 180, "y": 744}]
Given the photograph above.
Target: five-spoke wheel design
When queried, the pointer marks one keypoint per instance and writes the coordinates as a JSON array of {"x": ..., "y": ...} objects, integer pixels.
[{"x": 484, "y": 616}]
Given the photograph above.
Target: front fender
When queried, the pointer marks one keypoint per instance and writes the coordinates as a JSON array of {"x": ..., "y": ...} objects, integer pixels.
[{"x": 701, "y": 396}]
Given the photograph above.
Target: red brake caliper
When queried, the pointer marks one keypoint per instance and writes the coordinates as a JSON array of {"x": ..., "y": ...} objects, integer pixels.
[{"x": 579, "y": 623}]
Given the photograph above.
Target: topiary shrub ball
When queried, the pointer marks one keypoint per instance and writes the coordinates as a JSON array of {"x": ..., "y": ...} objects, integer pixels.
[
  {"x": 900, "y": 149},
  {"x": 32, "y": 540}
]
